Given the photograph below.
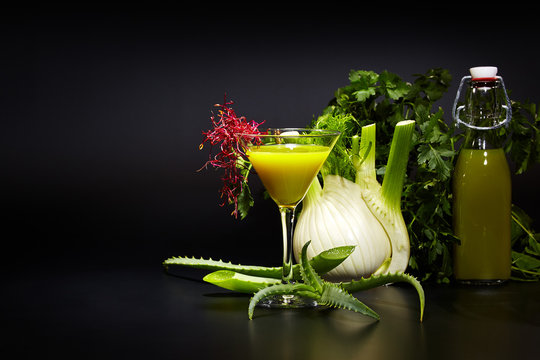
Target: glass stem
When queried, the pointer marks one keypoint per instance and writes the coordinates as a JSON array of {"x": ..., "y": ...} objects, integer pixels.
[{"x": 287, "y": 224}]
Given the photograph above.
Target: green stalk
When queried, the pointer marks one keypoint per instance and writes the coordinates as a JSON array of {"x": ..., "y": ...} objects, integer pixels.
[
  {"x": 396, "y": 168},
  {"x": 387, "y": 205},
  {"x": 355, "y": 147},
  {"x": 366, "y": 174},
  {"x": 385, "y": 201}
]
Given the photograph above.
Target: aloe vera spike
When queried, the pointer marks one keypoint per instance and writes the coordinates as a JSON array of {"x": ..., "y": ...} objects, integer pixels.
[
  {"x": 334, "y": 296},
  {"x": 214, "y": 265},
  {"x": 329, "y": 259},
  {"x": 238, "y": 282},
  {"x": 383, "y": 279},
  {"x": 309, "y": 275},
  {"x": 322, "y": 263}
]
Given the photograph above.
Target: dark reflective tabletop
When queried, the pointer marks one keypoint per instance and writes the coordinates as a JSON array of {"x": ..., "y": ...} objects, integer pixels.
[{"x": 142, "y": 312}]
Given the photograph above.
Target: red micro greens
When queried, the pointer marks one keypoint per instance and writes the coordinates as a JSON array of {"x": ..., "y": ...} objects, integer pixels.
[{"x": 225, "y": 130}]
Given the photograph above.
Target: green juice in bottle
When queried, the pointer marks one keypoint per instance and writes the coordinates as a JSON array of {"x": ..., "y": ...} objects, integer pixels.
[
  {"x": 481, "y": 183},
  {"x": 482, "y": 201}
]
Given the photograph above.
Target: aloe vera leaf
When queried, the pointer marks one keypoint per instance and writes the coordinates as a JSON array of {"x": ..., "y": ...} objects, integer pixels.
[
  {"x": 238, "y": 282},
  {"x": 334, "y": 296},
  {"x": 309, "y": 275},
  {"x": 322, "y": 263},
  {"x": 329, "y": 259},
  {"x": 281, "y": 289},
  {"x": 383, "y": 279},
  {"x": 214, "y": 265}
]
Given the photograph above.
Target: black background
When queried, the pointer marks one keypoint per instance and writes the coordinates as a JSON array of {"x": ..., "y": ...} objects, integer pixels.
[{"x": 103, "y": 106}]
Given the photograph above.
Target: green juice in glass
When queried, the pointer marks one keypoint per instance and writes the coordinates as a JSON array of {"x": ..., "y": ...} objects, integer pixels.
[
  {"x": 482, "y": 215},
  {"x": 287, "y": 170}
]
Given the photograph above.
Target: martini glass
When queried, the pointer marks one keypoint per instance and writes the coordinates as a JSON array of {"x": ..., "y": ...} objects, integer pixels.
[{"x": 287, "y": 160}]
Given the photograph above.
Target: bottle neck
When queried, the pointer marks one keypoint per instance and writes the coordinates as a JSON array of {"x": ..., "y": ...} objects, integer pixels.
[
  {"x": 484, "y": 101},
  {"x": 483, "y": 114},
  {"x": 482, "y": 139}
]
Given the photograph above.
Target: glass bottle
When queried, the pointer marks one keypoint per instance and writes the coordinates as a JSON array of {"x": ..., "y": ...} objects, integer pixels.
[{"x": 481, "y": 181}]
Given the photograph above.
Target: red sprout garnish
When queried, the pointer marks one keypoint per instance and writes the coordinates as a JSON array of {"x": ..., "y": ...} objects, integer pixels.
[{"x": 225, "y": 130}]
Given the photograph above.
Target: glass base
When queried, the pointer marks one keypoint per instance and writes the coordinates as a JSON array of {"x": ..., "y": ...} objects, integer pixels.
[
  {"x": 486, "y": 282},
  {"x": 287, "y": 302}
]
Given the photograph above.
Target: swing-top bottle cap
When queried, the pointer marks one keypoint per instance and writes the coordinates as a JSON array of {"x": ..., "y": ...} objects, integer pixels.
[{"x": 485, "y": 73}]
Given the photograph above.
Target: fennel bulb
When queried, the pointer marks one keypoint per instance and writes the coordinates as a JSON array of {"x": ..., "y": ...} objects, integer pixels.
[
  {"x": 338, "y": 215},
  {"x": 362, "y": 213}
]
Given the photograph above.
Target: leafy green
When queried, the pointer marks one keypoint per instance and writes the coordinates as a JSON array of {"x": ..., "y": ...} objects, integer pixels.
[
  {"x": 525, "y": 247},
  {"x": 524, "y": 147},
  {"x": 244, "y": 200}
]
